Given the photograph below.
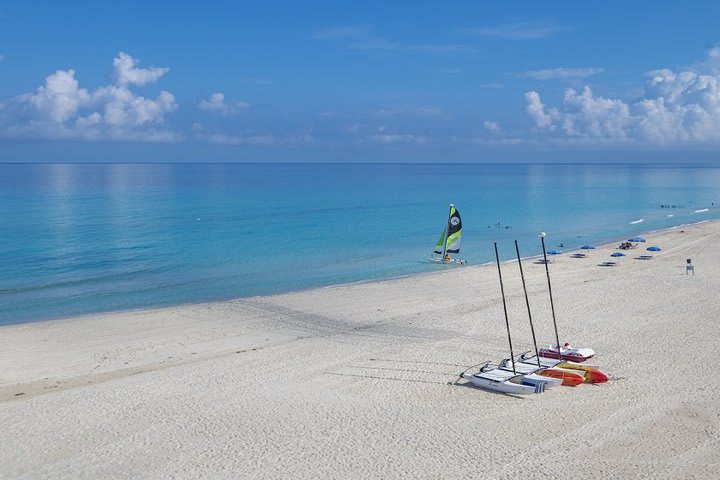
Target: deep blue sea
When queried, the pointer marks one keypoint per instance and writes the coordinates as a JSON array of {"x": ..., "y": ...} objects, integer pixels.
[{"x": 77, "y": 239}]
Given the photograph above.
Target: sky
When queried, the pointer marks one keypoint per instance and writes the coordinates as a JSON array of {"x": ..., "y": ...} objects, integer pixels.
[{"x": 282, "y": 81}]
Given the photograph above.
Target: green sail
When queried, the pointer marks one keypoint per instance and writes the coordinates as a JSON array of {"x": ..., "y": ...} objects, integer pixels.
[
  {"x": 440, "y": 243},
  {"x": 454, "y": 232}
]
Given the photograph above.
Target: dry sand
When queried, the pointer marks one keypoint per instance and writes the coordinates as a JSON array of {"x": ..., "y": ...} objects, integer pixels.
[{"x": 356, "y": 381}]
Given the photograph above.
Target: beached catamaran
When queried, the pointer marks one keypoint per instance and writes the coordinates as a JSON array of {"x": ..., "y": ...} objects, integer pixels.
[
  {"x": 517, "y": 379},
  {"x": 449, "y": 242}
]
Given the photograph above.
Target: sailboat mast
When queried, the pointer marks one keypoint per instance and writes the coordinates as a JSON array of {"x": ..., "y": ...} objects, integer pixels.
[
  {"x": 507, "y": 322},
  {"x": 552, "y": 307},
  {"x": 447, "y": 231},
  {"x": 527, "y": 302}
]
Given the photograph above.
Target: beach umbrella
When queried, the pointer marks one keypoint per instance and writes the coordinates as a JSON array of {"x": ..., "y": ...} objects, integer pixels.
[
  {"x": 617, "y": 254},
  {"x": 636, "y": 239},
  {"x": 554, "y": 252},
  {"x": 587, "y": 247},
  {"x": 654, "y": 249}
]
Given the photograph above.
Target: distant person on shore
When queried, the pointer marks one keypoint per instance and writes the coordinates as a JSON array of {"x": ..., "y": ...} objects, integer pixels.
[{"x": 689, "y": 267}]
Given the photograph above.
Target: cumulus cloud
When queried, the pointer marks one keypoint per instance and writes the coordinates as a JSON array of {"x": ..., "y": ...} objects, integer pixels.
[
  {"x": 216, "y": 103},
  {"x": 536, "y": 110},
  {"x": 678, "y": 108},
  {"x": 562, "y": 73},
  {"x": 61, "y": 109},
  {"x": 126, "y": 72}
]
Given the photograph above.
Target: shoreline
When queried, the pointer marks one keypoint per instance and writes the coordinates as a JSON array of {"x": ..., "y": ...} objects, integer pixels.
[
  {"x": 237, "y": 388},
  {"x": 337, "y": 285}
]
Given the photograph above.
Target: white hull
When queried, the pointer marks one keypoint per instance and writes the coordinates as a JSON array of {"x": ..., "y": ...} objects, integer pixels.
[
  {"x": 504, "y": 382},
  {"x": 452, "y": 261},
  {"x": 530, "y": 373}
]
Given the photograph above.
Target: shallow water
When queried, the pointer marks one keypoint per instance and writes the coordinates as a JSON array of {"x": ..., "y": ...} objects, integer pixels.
[{"x": 79, "y": 239}]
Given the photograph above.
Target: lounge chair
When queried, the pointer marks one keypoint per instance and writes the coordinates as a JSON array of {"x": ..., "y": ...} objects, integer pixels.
[
  {"x": 579, "y": 255},
  {"x": 607, "y": 264},
  {"x": 644, "y": 257}
]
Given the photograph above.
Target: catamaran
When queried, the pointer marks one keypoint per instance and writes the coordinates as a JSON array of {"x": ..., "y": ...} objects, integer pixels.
[
  {"x": 508, "y": 380},
  {"x": 449, "y": 241}
]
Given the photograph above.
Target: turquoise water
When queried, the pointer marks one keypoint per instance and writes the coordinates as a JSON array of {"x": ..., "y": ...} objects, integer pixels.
[{"x": 78, "y": 239}]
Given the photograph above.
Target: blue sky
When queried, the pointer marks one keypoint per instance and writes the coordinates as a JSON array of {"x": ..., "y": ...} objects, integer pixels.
[{"x": 369, "y": 81}]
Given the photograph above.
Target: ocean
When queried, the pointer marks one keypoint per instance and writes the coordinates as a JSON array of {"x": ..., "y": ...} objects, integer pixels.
[{"x": 79, "y": 239}]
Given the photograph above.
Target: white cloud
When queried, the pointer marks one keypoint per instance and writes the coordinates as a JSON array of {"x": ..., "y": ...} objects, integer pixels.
[
  {"x": 127, "y": 74},
  {"x": 2, "y": 57},
  {"x": 561, "y": 73},
  {"x": 61, "y": 109},
  {"x": 678, "y": 108},
  {"x": 254, "y": 139},
  {"x": 60, "y": 98},
  {"x": 216, "y": 103},
  {"x": 491, "y": 126},
  {"x": 398, "y": 138},
  {"x": 536, "y": 110},
  {"x": 516, "y": 31},
  {"x": 493, "y": 86}
]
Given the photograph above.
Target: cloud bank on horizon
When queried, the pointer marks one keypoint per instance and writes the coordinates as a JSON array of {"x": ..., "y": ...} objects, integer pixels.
[{"x": 676, "y": 107}]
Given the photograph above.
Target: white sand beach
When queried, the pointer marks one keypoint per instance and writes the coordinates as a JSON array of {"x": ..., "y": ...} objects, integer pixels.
[{"x": 356, "y": 381}]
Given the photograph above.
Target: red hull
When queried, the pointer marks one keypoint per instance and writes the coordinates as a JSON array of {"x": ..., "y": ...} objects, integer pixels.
[{"x": 544, "y": 352}]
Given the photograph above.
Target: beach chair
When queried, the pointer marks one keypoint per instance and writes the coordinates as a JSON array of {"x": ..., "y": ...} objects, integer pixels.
[
  {"x": 644, "y": 257},
  {"x": 579, "y": 255},
  {"x": 607, "y": 264}
]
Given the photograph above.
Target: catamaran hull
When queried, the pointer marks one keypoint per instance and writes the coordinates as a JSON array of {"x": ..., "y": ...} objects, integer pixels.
[
  {"x": 534, "y": 379},
  {"x": 568, "y": 378},
  {"x": 530, "y": 373},
  {"x": 574, "y": 354},
  {"x": 503, "y": 386},
  {"x": 591, "y": 374},
  {"x": 448, "y": 262}
]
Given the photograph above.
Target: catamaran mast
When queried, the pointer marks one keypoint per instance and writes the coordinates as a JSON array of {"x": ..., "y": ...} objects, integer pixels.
[
  {"x": 527, "y": 302},
  {"x": 507, "y": 322},
  {"x": 552, "y": 307},
  {"x": 447, "y": 231}
]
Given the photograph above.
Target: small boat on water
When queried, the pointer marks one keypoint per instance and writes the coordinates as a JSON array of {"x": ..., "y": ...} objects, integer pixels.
[{"x": 449, "y": 242}]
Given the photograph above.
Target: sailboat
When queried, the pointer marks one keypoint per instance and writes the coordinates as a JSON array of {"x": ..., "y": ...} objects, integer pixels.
[
  {"x": 508, "y": 380},
  {"x": 449, "y": 242}
]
